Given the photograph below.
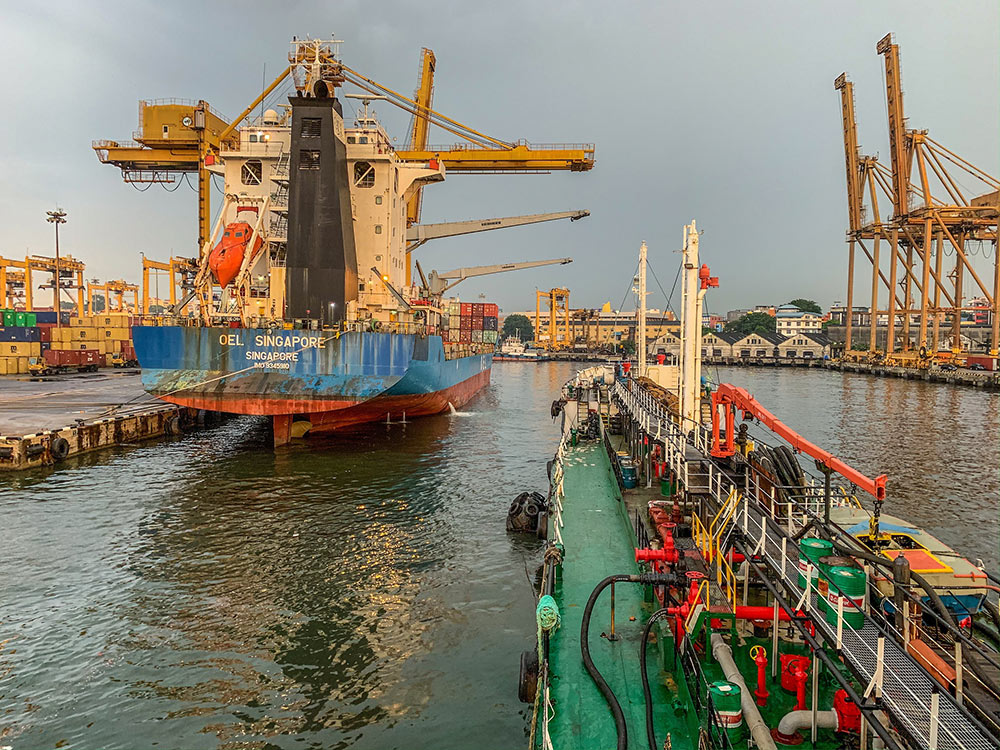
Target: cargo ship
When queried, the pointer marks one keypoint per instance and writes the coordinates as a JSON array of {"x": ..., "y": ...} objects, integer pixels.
[
  {"x": 306, "y": 309},
  {"x": 714, "y": 584}
]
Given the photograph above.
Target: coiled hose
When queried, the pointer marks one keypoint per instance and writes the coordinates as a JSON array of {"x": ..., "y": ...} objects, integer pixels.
[{"x": 654, "y": 579}]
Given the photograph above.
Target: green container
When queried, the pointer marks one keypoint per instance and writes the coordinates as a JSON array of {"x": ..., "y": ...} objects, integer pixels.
[
  {"x": 850, "y": 584},
  {"x": 630, "y": 476},
  {"x": 20, "y": 319},
  {"x": 9, "y": 316},
  {"x": 573, "y": 436},
  {"x": 726, "y": 699},
  {"x": 810, "y": 551},
  {"x": 30, "y": 320},
  {"x": 667, "y": 487},
  {"x": 823, "y": 584}
]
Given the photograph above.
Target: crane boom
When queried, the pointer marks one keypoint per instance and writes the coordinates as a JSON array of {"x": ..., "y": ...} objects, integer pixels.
[
  {"x": 899, "y": 150},
  {"x": 421, "y": 233},
  {"x": 731, "y": 397},
  {"x": 439, "y": 281},
  {"x": 846, "y": 89}
]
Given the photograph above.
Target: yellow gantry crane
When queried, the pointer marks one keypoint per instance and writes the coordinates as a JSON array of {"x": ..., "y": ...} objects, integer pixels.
[
  {"x": 114, "y": 296},
  {"x": 180, "y": 277},
  {"x": 177, "y": 137},
  {"x": 920, "y": 225},
  {"x": 553, "y": 331}
]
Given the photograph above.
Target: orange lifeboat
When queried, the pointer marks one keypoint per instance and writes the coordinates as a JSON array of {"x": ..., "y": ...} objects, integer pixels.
[{"x": 227, "y": 257}]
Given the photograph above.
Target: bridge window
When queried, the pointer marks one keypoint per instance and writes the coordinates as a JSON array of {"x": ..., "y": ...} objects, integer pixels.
[
  {"x": 351, "y": 139},
  {"x": 364, "y": 174},
  {"x": 253, "y": 138},
  {"x": 378, "y": 229},
  {"x": 308, "y": 159},
  {"x": 251, "y": 172},
  {"x": 378, "y": 200}
]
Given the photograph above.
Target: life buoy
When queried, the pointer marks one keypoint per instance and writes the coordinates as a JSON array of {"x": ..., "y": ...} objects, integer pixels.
[{"x": 59, "y": 448}]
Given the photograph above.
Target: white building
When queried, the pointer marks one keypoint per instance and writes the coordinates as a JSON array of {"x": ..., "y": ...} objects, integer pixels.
[{"x": 791, "y": 321}]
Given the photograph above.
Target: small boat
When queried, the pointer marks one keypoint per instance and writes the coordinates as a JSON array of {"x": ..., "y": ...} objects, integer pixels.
[{"x": 227, "y": 256}]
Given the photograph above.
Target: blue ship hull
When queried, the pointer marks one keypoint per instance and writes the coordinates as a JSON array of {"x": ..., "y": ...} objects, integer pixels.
[{"x": 326, "y": 379}]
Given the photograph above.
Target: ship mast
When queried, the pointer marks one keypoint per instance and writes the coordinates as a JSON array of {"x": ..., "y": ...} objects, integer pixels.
[
  {"x": 641, "y": 313},
  {"x": 690, "y": 331}
]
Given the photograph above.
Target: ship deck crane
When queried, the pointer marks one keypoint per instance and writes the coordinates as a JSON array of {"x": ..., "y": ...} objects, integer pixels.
[
  {"x": 419, "y": 234},
  {"x": 12, "y": 284},
  {"x": 438, "y": 283}
]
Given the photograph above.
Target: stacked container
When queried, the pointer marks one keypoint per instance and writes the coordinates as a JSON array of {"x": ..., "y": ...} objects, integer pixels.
[
  {"x": 28, "y": 334},
  {"x": 470, "y": 323}
]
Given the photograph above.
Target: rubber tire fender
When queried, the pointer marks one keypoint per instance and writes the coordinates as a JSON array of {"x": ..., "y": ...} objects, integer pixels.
[
  {"x": 527, "y": 678},
  {"x": 173, "y": 426},
  {"x": 542, "y": 529},
  {"x": 59, "y": 448}
]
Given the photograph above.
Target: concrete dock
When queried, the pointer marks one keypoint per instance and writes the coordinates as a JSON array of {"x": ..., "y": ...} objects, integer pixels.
[{"x": 45, "y": 420}]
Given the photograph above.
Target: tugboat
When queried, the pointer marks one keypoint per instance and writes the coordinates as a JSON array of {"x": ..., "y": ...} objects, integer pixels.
[{"x": 700, "y": 588}]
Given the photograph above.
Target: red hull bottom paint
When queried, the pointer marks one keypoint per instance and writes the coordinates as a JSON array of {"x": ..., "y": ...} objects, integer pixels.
[
  {"x": 350, "y": 413},
  {"x": 414, "y": 405}
]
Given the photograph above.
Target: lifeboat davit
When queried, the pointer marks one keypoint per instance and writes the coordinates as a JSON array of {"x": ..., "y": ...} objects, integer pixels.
[{"x": 226, "y": 258}]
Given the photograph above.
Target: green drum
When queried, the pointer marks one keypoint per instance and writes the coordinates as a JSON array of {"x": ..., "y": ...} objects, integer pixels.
[
  {"x": 667, "y": 486},
  {"x": 629, "y": 474},
  {"x": 851, "y": 585},
  {"x": 726, "y": 699},
  {"x": 823, "y": 584},
  {"x": 810, "y": 551}
]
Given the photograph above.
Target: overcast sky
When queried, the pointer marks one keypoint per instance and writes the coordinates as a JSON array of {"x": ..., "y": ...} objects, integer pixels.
[{"x": 720, "y": 111}]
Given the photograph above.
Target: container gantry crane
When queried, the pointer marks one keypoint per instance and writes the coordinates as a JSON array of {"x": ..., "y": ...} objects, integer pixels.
[
  {"x": 178, "y": 136},
  {"x": 922, "y": 221}
]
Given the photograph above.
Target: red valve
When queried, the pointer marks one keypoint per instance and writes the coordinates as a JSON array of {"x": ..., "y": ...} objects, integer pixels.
[{"x": 760, "y": 659}]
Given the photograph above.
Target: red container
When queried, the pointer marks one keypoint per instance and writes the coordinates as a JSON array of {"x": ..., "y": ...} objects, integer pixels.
[
  {"x": 490, "y": 310},
  {"x": 988, "y": 363},
  {"x": 466, "y": 336},
  {"x": 45, "y": 333},
  {"x": 477, "y": 324},
  {"x": 466, "y": 309},
  {"x": 477, "y": 309},
  {"x": 466, "y": 324}
]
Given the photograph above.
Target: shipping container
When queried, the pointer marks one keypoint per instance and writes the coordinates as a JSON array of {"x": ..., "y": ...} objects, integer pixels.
[
  {"x": 8, "y": 318},
  {"x": 477, "y": 337},
  {"x": 489, "y": 324},
  {"x": 15, "y": 349},
  {"x": 465, "y": 324},
  {"x": 85, "y": 333},
  {"x": 491, "y": 310},
  {"x": 988, "y": 363},
  {"x": 466, "y": 335},
  {"x": 44, "y": 334},
  {"x": 19, "y": 333},
  {"x": 477, "y": 324},
  {"x": 467, "y": 309}
]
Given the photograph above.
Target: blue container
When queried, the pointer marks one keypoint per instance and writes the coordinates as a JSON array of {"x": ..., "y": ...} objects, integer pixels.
[
  {"x": 46, "y": 345},
  {"x": 630, "y": 477},
  {"x": 19, "y": 334},
  {"x": 45, "y": 317}
]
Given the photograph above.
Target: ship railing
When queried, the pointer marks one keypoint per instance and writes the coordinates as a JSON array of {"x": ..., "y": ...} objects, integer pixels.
[{"x": 930, "y": 717}]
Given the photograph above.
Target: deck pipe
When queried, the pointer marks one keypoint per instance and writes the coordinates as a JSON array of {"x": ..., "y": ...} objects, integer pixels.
[
  {"x": 852, "y": 694},
  {"x": 649, "y": 579},
  {"x": 793, "y": 721},
  {"x": 751, "y": 714}
]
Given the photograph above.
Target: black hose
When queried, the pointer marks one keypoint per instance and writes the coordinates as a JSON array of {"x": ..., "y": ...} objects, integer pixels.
[
  {"x": 655, "y": 579},
  {"x": 647, "y": 696}
]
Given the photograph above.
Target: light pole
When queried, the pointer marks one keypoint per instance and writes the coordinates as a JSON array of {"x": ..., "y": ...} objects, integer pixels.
[{"x": 57, "y": 217}]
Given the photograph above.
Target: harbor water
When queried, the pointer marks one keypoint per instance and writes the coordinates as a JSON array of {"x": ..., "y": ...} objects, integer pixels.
[{"x": 209, "y": 592}]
